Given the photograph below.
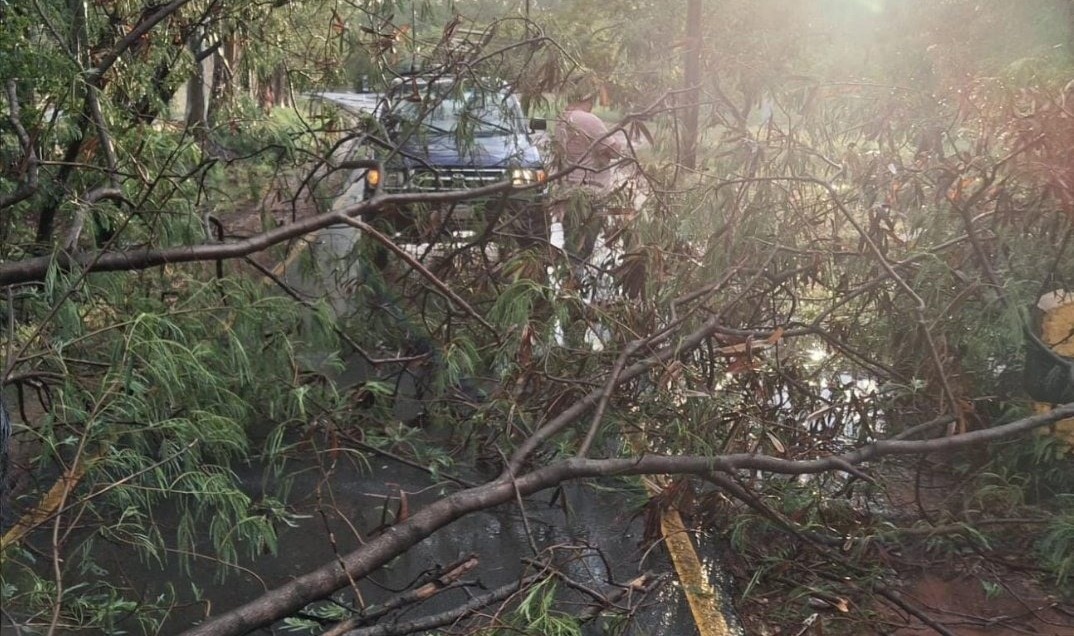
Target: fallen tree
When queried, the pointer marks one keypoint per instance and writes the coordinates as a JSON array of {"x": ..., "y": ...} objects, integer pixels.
[{"x": 824, "y": 317}]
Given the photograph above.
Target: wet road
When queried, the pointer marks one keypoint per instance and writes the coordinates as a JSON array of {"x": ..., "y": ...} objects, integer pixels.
[{"x": 595, "y": 530}]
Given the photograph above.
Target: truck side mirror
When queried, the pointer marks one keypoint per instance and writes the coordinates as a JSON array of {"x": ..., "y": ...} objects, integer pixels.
[{"x": 538, "y": 124}]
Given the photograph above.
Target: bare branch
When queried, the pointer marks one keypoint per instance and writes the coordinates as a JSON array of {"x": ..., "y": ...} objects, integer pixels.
[{"x": 34, "y": 269}]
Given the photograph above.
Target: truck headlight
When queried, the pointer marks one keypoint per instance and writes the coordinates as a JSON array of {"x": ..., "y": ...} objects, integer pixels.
[
  {"x": 372, "y": 178},
  {"x": 391, "y": 179},
  {"x": 527, "y": 176}
]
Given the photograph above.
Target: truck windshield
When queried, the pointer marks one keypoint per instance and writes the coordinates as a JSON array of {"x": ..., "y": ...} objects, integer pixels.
[{"x": 471, "y": 113}]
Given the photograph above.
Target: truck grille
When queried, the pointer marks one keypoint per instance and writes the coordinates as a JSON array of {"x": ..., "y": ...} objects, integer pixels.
[{"x": 424, "y": 180}]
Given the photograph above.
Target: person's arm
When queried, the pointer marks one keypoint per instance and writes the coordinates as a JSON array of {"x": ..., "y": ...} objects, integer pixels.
[
  {"x": 609, "y": 147},
  {"x": 614, "y": 146}
]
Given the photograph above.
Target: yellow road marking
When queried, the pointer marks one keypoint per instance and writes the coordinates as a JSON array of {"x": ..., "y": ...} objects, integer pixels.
[
  {"x": 1057, "y": 326},
  {"x": 49, "y": 504},
  {"x": 705, "y": 600}
]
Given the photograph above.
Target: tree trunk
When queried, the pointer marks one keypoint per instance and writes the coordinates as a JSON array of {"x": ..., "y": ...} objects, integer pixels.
[
  {"x": 219, "y": 91},
  {"x": 692, "y": 80},
  {"x": 195, "y": 89},
  {"x": 281, "y": 88}
]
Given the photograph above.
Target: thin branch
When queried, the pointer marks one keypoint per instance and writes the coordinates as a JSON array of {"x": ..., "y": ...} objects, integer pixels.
[
  {"x": 910, "y": 609},
  {"x": 96, "y": 74},
  {"x": 609, "y": 387},
  {"x": 887, "y": 266},
  {"x": 582, "y": 406},
  {"x": 441, "y": 287},
  {"x": 290, "y": 291},
  {"x": 451, "y": 616},
  {"x": 688, "y": 343},
  {"x": 448, "y": 580}
]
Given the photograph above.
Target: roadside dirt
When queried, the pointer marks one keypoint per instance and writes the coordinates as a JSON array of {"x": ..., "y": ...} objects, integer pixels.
[
  {"x": 970, "y": 606},
  {"x": 952, "y": 584},
  {"x": 967, "y": 589}
]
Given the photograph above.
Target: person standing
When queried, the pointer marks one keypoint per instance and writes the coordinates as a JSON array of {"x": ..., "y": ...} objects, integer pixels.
[
  {"x": 584, "y": 144},
  {"x": 584, "y": 147},
  {"x": 589, "y": 155}
]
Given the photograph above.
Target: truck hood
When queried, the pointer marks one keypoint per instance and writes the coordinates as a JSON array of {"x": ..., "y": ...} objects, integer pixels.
[{"x": 485, "y": 151}]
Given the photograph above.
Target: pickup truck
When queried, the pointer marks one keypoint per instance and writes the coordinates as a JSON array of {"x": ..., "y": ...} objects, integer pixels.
[{"x": 447, "y": 135}]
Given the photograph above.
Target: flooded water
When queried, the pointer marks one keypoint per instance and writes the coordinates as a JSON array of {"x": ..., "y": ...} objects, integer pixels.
[{"x": 592, "y": 533}]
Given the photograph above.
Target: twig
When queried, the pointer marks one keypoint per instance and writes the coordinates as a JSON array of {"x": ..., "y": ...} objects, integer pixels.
[
  {"x": 335, "y": 547},
  {"x": 910, "y": 609},
  {"x": 450, "y": 578},
  {"x": 525, "y": 518},
  {"x": 916, "y": 430},
  {"x": 609, "y": 387},
  {"x": 413, "y": 464},
  {"x": 438, "y": 284},
  {"x": 290, "y": 291},
  {"x": 453, "y": 615}
]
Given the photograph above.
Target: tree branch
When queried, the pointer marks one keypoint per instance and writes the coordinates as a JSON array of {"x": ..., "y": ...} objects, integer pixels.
[
  {"x": 28, "y": 187},
  {"x": 291, "y": 597},
  {"x": 441, "y": 287},
  {"x": 96, "y": 74},
  {"x": 450, "y": 616},
  {"x": 34, "y": 269}
]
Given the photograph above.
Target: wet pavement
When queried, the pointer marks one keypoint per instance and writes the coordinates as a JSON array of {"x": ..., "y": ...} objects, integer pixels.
[{"x": 593, "y": 533}]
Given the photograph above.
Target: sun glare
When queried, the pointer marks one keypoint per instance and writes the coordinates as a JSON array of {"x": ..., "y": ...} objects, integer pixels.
[{"x": 876, "y": 6}]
